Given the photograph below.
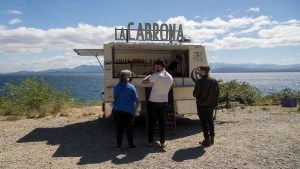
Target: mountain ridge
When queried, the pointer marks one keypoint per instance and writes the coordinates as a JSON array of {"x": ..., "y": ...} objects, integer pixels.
[{"x": 215, "y": 67}]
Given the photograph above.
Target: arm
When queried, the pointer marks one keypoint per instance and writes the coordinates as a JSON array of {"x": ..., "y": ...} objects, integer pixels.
[
  {"x": 218, "y": 92},
  {"x": 134, "y": 95},
  {"x": 115, "y": 92},
  {"x": 146, "y": 80},
  {"x": 196, "y": 91}
]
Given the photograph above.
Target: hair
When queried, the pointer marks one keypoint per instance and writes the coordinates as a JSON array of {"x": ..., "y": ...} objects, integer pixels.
[
  {"x": 125, "y": 76},
  {"x": 205, "y": 68},
  {"x": 160, "y": 62},
  {"x": 179, "y": 56}
]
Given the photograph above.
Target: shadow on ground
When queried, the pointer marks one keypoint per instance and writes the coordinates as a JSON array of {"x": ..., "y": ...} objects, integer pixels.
[
  {"x": 94, "y": 141},
  {"x": 188, "y": 154}
]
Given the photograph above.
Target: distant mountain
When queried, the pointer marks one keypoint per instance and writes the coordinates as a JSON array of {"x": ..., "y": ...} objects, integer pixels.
[
  {"x": 215, "y": 68},
  {"x": 79, "y": 69},
  {"x": 234, "y": 68}
]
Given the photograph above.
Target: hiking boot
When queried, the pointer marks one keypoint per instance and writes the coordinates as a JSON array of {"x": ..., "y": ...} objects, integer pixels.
[
  {"x": 118, "y": 148},
  {"x": 131, "y": 147},
  {"x": 212, "y": 140},
  {"x": 150, "y": 144},
  {"x": 205, "y": 142}
]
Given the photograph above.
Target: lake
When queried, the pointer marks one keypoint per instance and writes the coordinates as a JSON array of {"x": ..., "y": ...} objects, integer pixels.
[
  {"x": 88, "y": 86},
  {"x": 265, "y": 82}
]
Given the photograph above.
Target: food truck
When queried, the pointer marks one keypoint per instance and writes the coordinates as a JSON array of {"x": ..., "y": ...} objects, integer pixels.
[{"x": 137, "y": 49}]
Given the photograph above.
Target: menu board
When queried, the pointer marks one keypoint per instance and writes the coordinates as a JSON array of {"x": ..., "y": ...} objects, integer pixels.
[{"x": 170, "y": 121}]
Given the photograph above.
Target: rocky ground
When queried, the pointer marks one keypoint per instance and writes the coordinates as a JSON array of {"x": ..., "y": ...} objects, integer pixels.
[{"x": 253, "y": 137}]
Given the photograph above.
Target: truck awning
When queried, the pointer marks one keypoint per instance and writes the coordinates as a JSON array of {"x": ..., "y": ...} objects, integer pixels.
[{"x": 89, "y": 52}]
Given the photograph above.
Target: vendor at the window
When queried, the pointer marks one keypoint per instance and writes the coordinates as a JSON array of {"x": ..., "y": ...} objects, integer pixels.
[{"x": 175, "y": 68}]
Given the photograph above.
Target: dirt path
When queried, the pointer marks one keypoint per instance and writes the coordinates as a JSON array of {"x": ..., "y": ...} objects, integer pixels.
[{"x": 245, "y": 138}]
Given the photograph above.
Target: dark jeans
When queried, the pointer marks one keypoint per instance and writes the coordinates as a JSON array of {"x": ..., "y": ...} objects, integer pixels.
[
  {"x": 156, "y": 113},
  {"x": 124, "y": 121},
  {"x": 206, "y": 117}
]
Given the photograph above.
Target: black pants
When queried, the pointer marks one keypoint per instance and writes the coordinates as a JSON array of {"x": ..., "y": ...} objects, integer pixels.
[
  {"x": 124, "y": 121},
  {"x": 206, "y": 117},
  {"x": 156, "y": 113}
]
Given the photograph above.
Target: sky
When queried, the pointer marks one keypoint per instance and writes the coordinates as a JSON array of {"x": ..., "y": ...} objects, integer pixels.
[{"x": 41, "y": 34}]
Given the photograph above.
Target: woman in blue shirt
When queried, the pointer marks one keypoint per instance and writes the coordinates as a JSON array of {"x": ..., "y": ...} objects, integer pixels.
[{"x": 125, "y": 95}]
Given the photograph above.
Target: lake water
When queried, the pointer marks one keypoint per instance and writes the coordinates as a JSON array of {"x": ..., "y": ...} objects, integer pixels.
[
  {"x": 265, "y": 82},
  {"x": 88, "y": 87}
]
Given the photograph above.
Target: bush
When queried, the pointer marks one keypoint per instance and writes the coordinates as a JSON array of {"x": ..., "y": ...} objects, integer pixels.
[
  {"x": 275, "y": 98},
  {"x": 33, "y": 98},
  {"x": 241, "y": 92},
  {"x": 244, "y": 93}
]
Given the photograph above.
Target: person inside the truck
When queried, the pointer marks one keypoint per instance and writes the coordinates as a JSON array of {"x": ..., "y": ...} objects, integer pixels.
[
  {"x": 161, "y": 82},
  {"x": 175, "y": 68}
]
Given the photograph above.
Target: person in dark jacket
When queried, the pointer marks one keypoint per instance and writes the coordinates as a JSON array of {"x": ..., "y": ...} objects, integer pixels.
[
  {"x": 125, "y": 95},
  {"x": 206, "y": 92}
]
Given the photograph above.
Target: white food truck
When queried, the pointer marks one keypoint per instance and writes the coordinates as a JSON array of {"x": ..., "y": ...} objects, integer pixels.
[{"x": 182, "y": 58}]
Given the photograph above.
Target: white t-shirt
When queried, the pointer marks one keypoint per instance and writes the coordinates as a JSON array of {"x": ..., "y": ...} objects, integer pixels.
[{"x": 161, "y": 84}]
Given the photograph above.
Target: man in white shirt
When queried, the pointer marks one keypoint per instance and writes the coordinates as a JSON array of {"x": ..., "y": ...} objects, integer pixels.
[{"x": 161, "y": 82}]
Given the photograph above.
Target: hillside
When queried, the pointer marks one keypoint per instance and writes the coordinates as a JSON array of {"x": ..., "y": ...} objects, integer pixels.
[{"x": 215, "y": 67}]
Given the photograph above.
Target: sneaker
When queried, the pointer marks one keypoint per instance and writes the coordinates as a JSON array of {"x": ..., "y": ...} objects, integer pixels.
[
  {"x": 150, "y": 144},
  {"x": 131, "y": 147},
  {"x": 118, "y": 148},
  {"x": 205, "y": 142}
]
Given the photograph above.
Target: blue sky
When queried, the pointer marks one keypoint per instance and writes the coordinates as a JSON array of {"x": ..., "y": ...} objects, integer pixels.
[{"x": 40, "y": 34}]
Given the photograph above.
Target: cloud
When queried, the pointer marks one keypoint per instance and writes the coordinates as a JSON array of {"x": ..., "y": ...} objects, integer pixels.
[
  {"x": 25, "y": 40},
  {"x": 255, "y": 9},
  {"x": 66, "y": 60},
  {"x": 241, "y": 33},
  {"x": 214, "y": 34},
  {"x": 14, "y": 21},
  {"x": 257, "y": 61},
  {"x": 212, "y": 59},
  {"x": 14, "y": 12},
  {"x": 289, "y": 60},
  {"x": 218, "y": 33}
]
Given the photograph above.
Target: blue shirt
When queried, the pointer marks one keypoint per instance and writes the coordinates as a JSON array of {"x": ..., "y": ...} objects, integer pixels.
[{"x": 125, "y": 99}]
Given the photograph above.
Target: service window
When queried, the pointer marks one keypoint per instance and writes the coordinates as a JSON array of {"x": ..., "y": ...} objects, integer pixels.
[{"x": 140, "y": 61}]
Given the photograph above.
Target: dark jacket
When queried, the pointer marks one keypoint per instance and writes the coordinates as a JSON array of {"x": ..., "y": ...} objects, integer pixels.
[{"x": 206, "y": 92}]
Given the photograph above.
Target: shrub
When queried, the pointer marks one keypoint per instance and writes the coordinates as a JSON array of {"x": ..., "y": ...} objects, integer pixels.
[
  {"x": 275, "y": 98},
  {"x": 33, "y": 98},
  {"x": 241, "y": 92}
]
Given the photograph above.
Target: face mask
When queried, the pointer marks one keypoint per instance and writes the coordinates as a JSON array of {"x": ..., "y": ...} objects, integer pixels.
[{"x": 130, "y": 79}]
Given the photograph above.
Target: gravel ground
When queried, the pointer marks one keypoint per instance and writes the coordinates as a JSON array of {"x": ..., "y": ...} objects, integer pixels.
[{"x": 254, "y": 137}]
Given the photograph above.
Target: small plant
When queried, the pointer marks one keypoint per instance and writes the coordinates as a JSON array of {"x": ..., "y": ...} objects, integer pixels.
[
  {"x": 88, "y": 114},
  {"x": 275, "y": 98},
  {"x": 265, "y": 108},
  {"x": 241, "y": 92},
  {"x": 64, "y": 115},
  {"x": 12, "y": 118},
  {"x": 33, "y": 98}
]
